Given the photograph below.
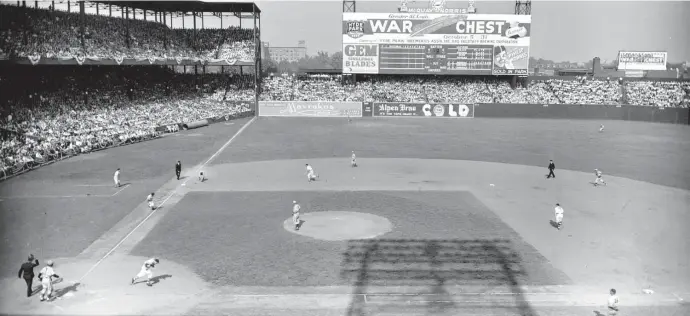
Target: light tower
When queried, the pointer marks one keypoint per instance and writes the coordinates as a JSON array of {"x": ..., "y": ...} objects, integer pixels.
[{"x": 523, "y": 7}]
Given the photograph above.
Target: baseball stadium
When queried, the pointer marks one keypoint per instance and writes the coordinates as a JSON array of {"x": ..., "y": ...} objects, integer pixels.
[{"x": 181, "y": 172}]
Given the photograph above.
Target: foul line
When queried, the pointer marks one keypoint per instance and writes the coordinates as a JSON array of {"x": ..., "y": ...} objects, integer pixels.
[
  {"x": 120, "y": 190},
  {"x": 167, "y": 198},
  {"x": 54, "y": 196}
]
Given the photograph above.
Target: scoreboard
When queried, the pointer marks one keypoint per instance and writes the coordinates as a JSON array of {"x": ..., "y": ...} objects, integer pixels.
[
  {"x": 437, "y": 44},
  {"x": 436, "y": 59}
]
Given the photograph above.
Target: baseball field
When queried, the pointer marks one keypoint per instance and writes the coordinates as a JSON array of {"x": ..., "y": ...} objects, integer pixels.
[{"x": 441, "y": 216}]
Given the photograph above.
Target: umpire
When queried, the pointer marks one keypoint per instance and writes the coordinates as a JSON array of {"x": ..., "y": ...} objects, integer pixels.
[
  {"x": 552, "y": 166},
  {"x": 178, "y": 169},
  {"x": 27, "y": 271}
]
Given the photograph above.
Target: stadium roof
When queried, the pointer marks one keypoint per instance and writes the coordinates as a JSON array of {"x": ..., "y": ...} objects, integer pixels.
[{"x": 187, "y": 6}]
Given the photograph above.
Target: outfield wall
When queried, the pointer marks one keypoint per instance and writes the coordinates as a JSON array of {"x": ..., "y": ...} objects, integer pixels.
[
  {"x": 585, "y": 112},
  {"x": 459, "y": 110}
]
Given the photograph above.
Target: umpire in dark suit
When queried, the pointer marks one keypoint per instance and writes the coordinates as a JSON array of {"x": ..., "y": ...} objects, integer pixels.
[
  {"x": 27, "y": 271},
  {"x": 178, "y": 169},
  {"x": 552, "y": 166}
]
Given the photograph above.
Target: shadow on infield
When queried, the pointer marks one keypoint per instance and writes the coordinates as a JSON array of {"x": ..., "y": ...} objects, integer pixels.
[{"x": 428, "y": 270}]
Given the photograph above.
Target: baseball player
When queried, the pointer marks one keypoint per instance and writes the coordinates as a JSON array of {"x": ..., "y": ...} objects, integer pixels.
[
  {"x": 311, "y": 176},
  {"x": 598, "y": 180},
  {"x": 201, "y": 176},
  {"x": 559, "y": 216},
  {"x": 146, "y": 271},
  {"x": 354, "y": 159},
  {"x": 178, "y": 169},
  {"x": 46, "y": 276},
  {"x": 150, "y": 200},
  {"x": 295, "y": 214},
  {"x": 613, "y": 303},
  {"x": 116, "y": 178},
  {"x": 601, "y": 128}
]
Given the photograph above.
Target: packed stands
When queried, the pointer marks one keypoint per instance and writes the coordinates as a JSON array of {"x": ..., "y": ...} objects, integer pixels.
[
  {"x": 79, "y": 109},
  {"x": 473, "y": 90},
  {"x": 26, "y": 32},
  {"x": 658, "y": 93}
]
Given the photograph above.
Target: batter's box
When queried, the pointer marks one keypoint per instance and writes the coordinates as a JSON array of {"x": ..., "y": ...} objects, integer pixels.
[{"x": 63, "y": 191}]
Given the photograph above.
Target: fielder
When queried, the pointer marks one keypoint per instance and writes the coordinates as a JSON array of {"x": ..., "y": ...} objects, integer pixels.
[
  {"x": 116, "y": 178},
  {"x": 201, "y": 176},
  {"x": 559, "y": 216},
  {"x": 146, "y": 271},
  {"x": 613, "y": 303},
  {"x": 598, "y": 180},
  {"x": 46, "y": 276},
  {"x": 295, "y": 214},
  {"x": 601, "y": 128},
  {"x": 150, "y": 200},
  {"x": 311, "y": 176},
  {"x": 354, "y": 159}
]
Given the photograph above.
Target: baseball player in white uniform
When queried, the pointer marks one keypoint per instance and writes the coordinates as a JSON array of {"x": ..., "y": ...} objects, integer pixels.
[
  {"x": 354, "y": 159},
  {"x": 559, "y": 216},
  {"x": 311, "y": 176},
  {"x": 146, "y": 271},
  {"x": 46, "y": 276},
  {"x": 116, "y": 178},
  {"x": 201, "y": 176},
  {"x": 601, "y": 128},
  {"x": 613, "y": 303},
  {"x": 150, "y": 200},
  {"x": 295, "y": 214},
  {"x": 598, "y": 180}
]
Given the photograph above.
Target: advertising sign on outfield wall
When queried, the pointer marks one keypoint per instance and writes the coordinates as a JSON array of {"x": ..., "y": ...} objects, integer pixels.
[
  {"x": 402, "y": 109},
  {"x": 310, "y": 109}
]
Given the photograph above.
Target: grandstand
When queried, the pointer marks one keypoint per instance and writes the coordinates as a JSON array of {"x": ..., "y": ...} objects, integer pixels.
[{"x": 74, "y": 82}]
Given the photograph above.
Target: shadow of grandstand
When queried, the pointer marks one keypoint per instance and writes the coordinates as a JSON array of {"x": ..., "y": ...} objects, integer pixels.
[{"x": 441, "y": 277}]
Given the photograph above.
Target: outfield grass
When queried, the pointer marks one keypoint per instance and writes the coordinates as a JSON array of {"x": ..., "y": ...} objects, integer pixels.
[{"x": 656, "y": 153}]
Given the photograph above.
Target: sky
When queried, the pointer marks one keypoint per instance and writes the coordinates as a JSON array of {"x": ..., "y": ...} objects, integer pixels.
[
  {"x": 574, "y": 31},
  {"x": 562, "y": 30}
]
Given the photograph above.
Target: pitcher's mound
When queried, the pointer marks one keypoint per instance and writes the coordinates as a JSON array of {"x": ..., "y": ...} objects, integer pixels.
[{"x": 336, "y": 225}]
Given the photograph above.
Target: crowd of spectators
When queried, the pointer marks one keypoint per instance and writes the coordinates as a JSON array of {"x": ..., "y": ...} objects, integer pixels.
[
  {"x": 473, "y": 90},
  {"x": 80, "y": 109},
  {"x": 26, "y": 32},
  {"x": 658, "y": 93}
]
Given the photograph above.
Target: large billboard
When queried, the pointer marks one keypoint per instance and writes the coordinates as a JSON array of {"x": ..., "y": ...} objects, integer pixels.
[
  {"x": 642, "y": 60},
  {"x": 433, "y": 43}
]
